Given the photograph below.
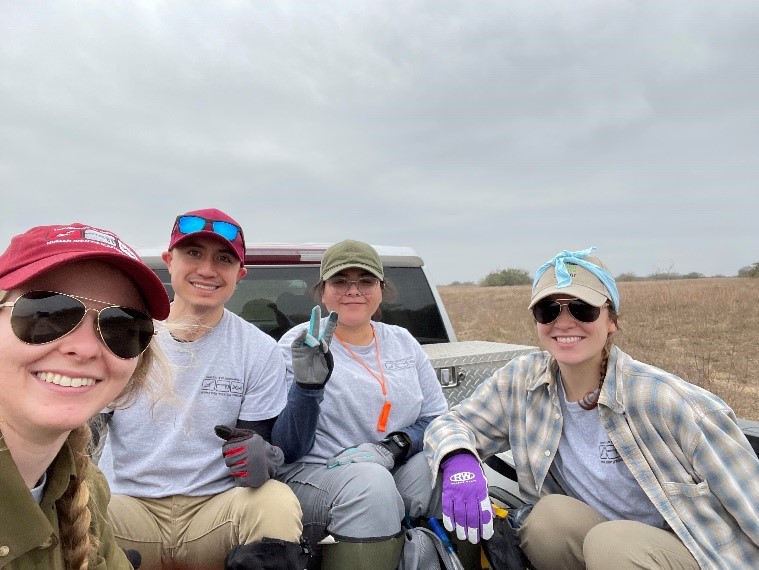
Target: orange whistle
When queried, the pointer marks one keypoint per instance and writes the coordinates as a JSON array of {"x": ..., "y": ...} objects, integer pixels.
[{"x": 382, "y": 422}]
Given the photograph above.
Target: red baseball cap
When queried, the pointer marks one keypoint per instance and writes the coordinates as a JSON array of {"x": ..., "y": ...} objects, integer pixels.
[
  {"x": 209, "y": 222},
  {"x": 45, "y": 247}
]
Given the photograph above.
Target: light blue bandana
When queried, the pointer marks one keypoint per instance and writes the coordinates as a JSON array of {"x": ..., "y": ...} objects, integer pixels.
[{"x": 564, "y": 279}]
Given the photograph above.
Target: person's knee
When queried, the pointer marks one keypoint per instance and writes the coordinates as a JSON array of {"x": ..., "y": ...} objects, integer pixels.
[
  {"x": 368, "y": 504},
  {"x": 277, "y": 497},
  {"x": 554, "y": 532},
  {"x": 373, "y": 486},
  {"x": 547, "y": 514},
  {"x": 630, "y": 544},
  {"x": 602, "y": 544},
  {"x": 271, "y": 510}
]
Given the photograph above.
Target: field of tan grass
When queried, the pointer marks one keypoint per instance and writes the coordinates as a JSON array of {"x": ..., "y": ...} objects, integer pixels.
[{"x": 703, "y": 330}]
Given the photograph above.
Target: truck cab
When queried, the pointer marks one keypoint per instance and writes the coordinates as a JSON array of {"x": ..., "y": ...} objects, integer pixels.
[{"x": 277, "y": 292}]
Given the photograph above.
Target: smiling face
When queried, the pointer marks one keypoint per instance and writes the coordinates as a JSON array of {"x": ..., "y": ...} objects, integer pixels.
[
  {"x": 204, "y": 273},
  {"x": 574, "y": 344},
  {"x": 353, "y": 308},
  {"x": 35, "y": 399}
]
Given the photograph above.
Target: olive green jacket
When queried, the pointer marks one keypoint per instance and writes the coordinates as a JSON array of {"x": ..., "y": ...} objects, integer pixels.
[{"x": 29, "y": 534}]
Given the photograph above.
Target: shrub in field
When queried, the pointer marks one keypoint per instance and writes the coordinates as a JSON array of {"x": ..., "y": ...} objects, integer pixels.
[
  {"x": 506, "y": 277},
  {"x": 749, "y": 271},
  {"x": 628, "y": 277},
  {"x": 671, "y": 276}
]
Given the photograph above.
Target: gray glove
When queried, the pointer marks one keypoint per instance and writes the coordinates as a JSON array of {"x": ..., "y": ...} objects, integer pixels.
[
  {"x": 312, "y": 360},
  {"x": 252, "y": 461},
  {"x": 364, "y": 452}
]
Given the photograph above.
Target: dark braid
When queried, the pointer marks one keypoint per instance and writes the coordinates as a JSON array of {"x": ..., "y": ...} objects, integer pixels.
[{"x": 590, "y": 400}]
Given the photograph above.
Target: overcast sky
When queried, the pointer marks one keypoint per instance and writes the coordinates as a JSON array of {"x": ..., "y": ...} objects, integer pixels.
[{"x": 486, "y": 135}]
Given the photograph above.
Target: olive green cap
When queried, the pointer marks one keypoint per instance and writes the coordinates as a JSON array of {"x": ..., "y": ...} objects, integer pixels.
[{"x": 351, "y": 253}]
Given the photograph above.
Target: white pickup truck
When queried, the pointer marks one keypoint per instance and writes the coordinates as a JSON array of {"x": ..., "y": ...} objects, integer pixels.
[{"x": 276, "y": 294}]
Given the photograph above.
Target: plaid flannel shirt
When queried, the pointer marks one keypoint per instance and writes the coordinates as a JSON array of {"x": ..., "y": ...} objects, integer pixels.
[{"x": 681, "y": 443}]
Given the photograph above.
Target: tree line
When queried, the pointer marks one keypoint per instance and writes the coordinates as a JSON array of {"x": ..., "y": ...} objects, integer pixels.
[{"x": 511, "y": 276}]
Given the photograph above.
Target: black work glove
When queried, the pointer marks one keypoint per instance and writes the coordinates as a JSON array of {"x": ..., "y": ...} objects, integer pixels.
[
  {"x": 252, "y": 461},
  {"x": 312, "y": 360}
]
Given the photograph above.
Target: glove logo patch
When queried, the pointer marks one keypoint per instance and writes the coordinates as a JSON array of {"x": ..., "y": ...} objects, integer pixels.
[{"x": 462, "y": 477}]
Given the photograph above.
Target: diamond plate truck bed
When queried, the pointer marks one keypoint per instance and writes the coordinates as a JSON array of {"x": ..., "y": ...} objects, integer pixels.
[{"x": 461, "y": 366}]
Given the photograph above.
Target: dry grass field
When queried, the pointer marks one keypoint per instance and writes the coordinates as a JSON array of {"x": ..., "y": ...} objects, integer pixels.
[{"x": 703, "y": 330}]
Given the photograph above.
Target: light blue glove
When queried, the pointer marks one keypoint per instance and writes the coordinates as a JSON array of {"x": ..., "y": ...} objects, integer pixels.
[
  {"x": 363, "y": 453},
  {"x": 312, "y": 360}
]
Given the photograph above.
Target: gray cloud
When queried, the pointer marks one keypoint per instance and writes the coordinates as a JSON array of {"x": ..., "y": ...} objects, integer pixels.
[{"x": 486, "y": 135}]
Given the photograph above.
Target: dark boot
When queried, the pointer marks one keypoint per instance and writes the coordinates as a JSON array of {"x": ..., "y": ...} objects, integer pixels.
[{"x": 268, "y": 554}]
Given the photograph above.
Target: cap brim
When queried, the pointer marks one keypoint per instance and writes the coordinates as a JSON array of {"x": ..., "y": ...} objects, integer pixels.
[
  {"x": 342, "y": 267},
  {"x": 207, "y": 234},
  {"x": 574, "y": 290}
]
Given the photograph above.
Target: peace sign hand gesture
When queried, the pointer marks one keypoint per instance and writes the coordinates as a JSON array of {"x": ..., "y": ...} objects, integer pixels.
[{"x": 312, "y": 360}]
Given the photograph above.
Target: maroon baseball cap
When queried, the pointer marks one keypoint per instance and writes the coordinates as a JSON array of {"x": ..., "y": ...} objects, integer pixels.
[
  {"x": 45, "y": 247},
  {"x": 210, "y": 223}
]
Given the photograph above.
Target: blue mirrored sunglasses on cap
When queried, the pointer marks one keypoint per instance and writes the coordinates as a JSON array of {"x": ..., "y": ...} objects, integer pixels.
[{"x": 192, "y": 224}]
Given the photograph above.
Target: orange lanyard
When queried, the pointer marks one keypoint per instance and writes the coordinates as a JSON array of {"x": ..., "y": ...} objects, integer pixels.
[{"x": 382, "y": 421}]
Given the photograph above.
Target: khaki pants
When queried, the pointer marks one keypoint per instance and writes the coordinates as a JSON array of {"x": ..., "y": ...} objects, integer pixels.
[
  {"x": 562, "y": 532},
  {"x": 198, "y": 532}
]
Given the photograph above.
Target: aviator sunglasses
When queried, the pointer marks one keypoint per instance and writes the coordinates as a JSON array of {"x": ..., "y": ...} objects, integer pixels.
[
  {"x": 41, "y": 317},
  {"x": 192, "y": 224},
  {"x": 548, "y": 310}
]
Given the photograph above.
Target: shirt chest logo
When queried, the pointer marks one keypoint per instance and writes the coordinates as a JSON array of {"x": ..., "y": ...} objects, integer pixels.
[
  {"x": 401, "y": 364},
  {"x": 607, "y": 453},
  {"x": 222, "y": 386}
]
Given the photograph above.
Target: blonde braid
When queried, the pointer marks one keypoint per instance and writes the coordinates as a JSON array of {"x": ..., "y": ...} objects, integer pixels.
[{"x": 74, "y": 515}]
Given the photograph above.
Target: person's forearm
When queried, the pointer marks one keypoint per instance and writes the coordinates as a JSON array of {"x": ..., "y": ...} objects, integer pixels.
[{"x": 295, "y": 428}]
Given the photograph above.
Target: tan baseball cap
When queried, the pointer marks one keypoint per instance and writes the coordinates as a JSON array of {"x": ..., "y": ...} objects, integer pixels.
[{"x": 585, "y": 286}]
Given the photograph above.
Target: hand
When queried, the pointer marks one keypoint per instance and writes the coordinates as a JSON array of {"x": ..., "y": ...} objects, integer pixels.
[
  {"x": 365, "y": 452},
  {"x": 312, "y": 360},
  {"x": 465, "y": 498},
  {"x": 252, "y": 461}
]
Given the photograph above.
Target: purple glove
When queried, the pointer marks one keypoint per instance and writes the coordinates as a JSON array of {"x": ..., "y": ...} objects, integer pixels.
[
  {"x": 465, "y": 498},
  {"x": 251, "y": 460}
]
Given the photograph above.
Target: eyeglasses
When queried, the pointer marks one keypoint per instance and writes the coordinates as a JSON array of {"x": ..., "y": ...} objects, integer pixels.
[
  {"x": 192, "y": 224},
  {"x": 341, "y": 285},
  {"x": 41, "y": 317},
  {"x": 548, "y": 310}
]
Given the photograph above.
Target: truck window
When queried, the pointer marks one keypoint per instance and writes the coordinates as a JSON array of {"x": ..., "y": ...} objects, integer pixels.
[{"x": 276, "y": 298}]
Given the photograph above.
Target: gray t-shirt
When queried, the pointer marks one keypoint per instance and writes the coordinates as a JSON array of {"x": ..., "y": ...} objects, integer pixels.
[
  {"x": 353, "y": 398},
  {"x": 233, "y": 372},
  {"x": 588, "y": 468}
]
